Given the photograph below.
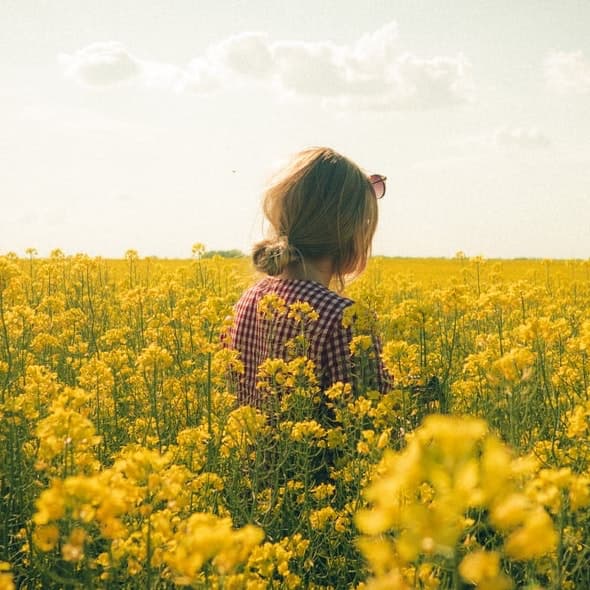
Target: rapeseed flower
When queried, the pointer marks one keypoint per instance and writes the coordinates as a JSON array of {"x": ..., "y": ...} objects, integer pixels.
[{"x": 115, "y": 385}]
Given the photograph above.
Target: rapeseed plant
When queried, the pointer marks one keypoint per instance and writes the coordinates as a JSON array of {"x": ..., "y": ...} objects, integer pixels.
[{"x": 125, "y": 461}]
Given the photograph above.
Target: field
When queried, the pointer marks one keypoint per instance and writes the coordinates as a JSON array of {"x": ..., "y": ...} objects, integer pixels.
[{"x": 125, "y": 462}]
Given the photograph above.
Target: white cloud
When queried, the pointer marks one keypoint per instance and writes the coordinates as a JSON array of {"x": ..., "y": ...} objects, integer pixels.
[
  {"x": 504, "y": 137},
  {"x": 370, "y": 73},
  {"x": 101, "y": 64},
  {"x": 246, "y": 54},
  {"x": 199, "y": 77},
  {"x": 312, "y": 68},
  {"x": 434, "y": 82},
  {"x": 568, "y": 72},
  {"x": 161, "y": 75},
  {"x": 520, "y": 137},
  {"x": 380, "y": 46},
  {"x": 411, "y": 83}
]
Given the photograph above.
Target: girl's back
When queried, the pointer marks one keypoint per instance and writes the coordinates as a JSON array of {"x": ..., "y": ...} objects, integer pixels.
[
  {"x": 259, "y": 333},
  {"x": 322, "y": 211}
]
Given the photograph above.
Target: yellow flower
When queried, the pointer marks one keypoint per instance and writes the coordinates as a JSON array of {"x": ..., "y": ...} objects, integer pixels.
[
  {"x": 380, "y": 553},
  {"x": 338, "y": 391},
  {"x": 510, "y": 511},
  {"x": 72, "y": 552},
  {"x": 153, "y": 358},
  {"x": 302, "y": 312},
  {"x": 360, "y": 318},
  {"x": 335, "y": 438},
  {"x": 6, "y": 581},
  {"x": 579, "y": 492},
  {"x": 479, "y": 565},
  {"x": 319, "y": 519},
  {"x": 50, "y": 504},
  {"x": 272, "y": 373},
  {"x": 495, "y": 467},
  {"x": 323, "y": 491},
  {"x": 361, "y": 344},
  {"x": 307, "y": 429},
  {"x": 535, "y": 538},
  {"x": 198, "y": 249},
  {"x": 204, "y": 537},
  {"x": 482, "y": 568},
  {"x": 383, "y": 440},
  {"x": 578, "y": 420},
  {"x": 514, "y": 366},
  {"x": 427, "y": 574},
  {"x": 455, "y": 436},
  {"x": 45, "y": 537},
  {"x": 271, "y": 306},
  {"x": 243, "y": 426}
]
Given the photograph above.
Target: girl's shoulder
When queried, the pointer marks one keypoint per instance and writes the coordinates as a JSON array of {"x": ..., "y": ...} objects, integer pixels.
[
  {"x": 301, "y": 290},
  {"x": 323, "y": 300}
]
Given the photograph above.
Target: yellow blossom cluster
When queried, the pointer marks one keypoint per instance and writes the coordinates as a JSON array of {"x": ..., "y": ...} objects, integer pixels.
[{"x": 125, "y": 461}]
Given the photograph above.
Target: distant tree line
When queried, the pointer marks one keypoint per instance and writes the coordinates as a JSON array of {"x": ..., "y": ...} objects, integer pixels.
[{"x": 223, "y": 254}]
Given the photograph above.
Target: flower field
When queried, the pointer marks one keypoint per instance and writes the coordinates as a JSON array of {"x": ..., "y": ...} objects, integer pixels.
[{"x": 126, "y": 463}]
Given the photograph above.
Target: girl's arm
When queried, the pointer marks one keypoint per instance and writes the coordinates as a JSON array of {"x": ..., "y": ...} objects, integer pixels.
[{"x": 339, "y": 364}]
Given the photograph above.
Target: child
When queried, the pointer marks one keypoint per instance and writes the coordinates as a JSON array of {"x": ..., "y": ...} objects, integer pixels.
[{"x": 322, "y": 211}]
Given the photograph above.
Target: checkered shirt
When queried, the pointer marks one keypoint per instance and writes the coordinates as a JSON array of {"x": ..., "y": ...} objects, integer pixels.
[{"x": 327, "y": 338}]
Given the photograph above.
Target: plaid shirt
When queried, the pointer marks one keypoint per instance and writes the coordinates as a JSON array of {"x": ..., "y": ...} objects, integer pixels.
[{"x": 327, "y": 338}]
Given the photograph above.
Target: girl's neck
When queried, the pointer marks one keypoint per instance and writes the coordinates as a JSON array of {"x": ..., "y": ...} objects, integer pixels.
[{"x": 320, "y": 270}]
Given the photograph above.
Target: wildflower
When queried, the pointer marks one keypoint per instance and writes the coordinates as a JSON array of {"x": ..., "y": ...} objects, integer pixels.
[
  {"x": 302, "y": 312},
  {"x": 271, "y": 306},
  {"x": 361, "y": 344},
  {"x": 578, "y": 420},
  {"x": 227, "y": 360},
  {"x": 153, "y": 358},
  {"x": 50, "y": 504},
  {"x": 482, "y": 568},
  {"x": 384, "y": 437},
  {"x": 402, "y": 360},
  {"x": 514, "y": 366},
  {"x": 335, "y": 438},
  {"x": 579, "y": 492},
  {"x": 6, "y": 580},
  {"x": 73, "y": 550},
  {"x": 534, "y": 539},
  {"x": 338, "y": 391},
  {"x": 198, "y": 249},
  {"x": 243, "y": 426},
  {"x": 272, "y": 373},
  {"x": 204, "y": 538},
  {"x": 306, "y": 429},
  {"x": 427, "y": 574},
  {"x": 323, "y": 491},
  {"x": 358, "y": 317},
  {"x": 510, "y": 511},
  {"x": 364, "y": 445},
  {"x": 46, "y": 537},
  {"x": 319, "y": 519}
]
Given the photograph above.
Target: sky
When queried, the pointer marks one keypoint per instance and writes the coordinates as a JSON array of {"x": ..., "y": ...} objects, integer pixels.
[{"x": 155, "y": 124}]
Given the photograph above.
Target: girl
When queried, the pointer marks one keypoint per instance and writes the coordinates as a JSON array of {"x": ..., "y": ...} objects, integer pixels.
[{"x": 322, "y": 211}]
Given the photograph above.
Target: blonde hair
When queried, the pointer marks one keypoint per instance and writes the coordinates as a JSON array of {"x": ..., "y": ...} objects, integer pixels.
[{"x": 320, "y": 205}]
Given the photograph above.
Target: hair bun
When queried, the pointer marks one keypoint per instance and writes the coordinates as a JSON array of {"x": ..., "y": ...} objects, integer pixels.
[{"x": 273, "y": 255}]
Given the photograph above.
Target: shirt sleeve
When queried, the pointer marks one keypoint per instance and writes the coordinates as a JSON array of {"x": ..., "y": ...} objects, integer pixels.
[
  {"x": 339, "y": 365},
  {"x": 336, "y": 354},
  {"x": 383, "y": 380}
]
